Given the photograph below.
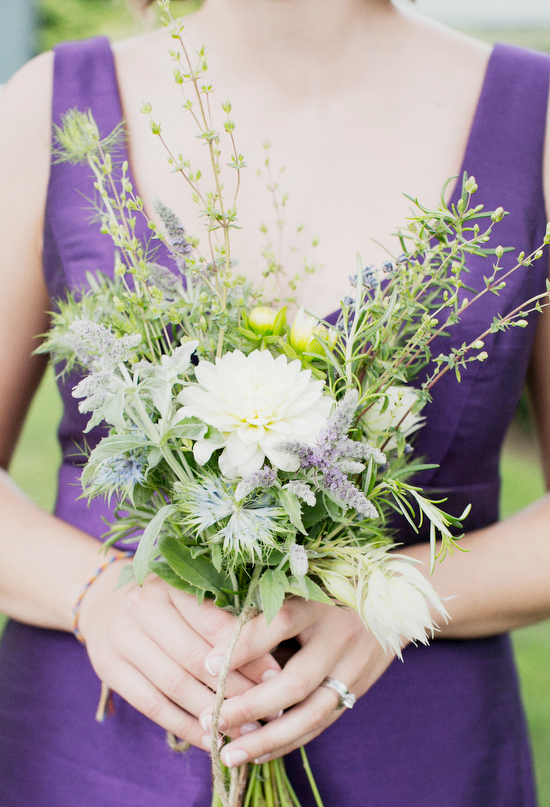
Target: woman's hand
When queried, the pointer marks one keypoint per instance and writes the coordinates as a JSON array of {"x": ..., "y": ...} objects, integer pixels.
[
  {"x": 334, "y": 642},
  {"x": 150, "y": 645}
]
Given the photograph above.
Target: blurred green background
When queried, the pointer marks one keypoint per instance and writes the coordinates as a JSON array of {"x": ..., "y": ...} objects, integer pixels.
[{"x": 35, "y": 462}]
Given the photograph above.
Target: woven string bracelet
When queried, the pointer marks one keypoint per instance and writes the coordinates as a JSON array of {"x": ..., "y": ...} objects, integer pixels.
[{"x": 93, "y": 578}]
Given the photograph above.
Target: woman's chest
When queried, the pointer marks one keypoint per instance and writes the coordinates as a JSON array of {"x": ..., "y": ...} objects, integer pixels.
[{"x": 330, "y": 185}]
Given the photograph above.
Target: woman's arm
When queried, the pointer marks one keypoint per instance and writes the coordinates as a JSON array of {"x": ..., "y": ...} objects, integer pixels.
[{"x": 147, "y": 643}]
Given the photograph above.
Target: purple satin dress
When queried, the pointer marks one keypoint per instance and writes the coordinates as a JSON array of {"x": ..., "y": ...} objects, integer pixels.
[{"x": 443, "y": 729}]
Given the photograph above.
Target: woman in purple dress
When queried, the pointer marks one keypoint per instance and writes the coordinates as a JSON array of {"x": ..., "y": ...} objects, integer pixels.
[{"x": 362, "y": 102}]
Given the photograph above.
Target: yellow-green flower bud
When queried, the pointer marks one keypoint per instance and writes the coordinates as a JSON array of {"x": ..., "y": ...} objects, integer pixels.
[
  {"x": 303, "y": 332},
  {"x": 340, "y": 588},
  {"x": 261, "y": 320},
  {"x": 266, "y": 322},
  {"x": 470, "y": 185}
]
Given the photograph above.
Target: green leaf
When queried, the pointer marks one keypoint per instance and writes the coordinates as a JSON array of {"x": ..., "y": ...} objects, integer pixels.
[
  {"x": 305, "y": 587},
  {"x": 113, "y": 411},
  {"x": 188, "y": 429},
  {"x": 199, "y": 572},
  {"x": 115, "y": 445},
  {"x": 147, "y": 542},
  {"x": 153, "y": 458},
  {"x": 273, "y": 587},
  {"x": 166, "y": 573},
  {"x": 292, "y": 507},
  {"x": 126, "y": 576},
  {"x": 313, "y": 515}
]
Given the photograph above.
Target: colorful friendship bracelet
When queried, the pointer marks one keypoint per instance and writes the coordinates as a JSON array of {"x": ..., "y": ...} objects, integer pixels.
[{"x": 93, "y": 578}]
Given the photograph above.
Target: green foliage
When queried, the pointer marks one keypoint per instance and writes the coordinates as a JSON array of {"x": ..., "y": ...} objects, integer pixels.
[{"x": 62, "y": 20}]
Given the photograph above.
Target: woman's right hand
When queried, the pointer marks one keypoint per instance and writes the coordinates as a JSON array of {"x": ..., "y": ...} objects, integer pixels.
[{"x": 149, "y": 644}]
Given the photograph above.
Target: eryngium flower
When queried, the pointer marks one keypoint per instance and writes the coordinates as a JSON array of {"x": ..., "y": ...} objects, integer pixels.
[
  {"x": 255, "y": 402},
  {"x": 391, "y": 595},
  {"x": 246, "y": 528}
]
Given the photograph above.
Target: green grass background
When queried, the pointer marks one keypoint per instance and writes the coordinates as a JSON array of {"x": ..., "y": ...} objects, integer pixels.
[{"x": 37, "y": 457}]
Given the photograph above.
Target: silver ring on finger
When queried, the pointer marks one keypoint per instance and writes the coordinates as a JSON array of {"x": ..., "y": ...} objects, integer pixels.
[{"x": 347, "y": 698}]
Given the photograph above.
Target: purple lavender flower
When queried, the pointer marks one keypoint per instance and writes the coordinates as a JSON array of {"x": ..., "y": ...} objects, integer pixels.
[
  {"x": 175, "y": 234},
  {"x": 169, "y": 283},
  {"x": 261, "y": 480},
  {"x": 334, "y": 455}
]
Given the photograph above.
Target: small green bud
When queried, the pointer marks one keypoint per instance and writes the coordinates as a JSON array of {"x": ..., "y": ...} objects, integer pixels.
[
  {"x": 482, "y": 356},
  {"x": 521, "y": 323},
  {"x": 266, "y": 322},
  {"x": 499, "y": 252},
  {"x": 470, "y": 185},
  {"x": 226, "y": 106},
  {"x": 498, "y": 214},
  {"x": 478, "y": 344}
]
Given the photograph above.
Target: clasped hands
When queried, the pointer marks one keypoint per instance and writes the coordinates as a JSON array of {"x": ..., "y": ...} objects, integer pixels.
[{"x": 162, "y": 652}]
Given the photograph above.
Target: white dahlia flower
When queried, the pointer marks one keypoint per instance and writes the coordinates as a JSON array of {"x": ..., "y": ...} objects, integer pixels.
[{"x": 255, "y": 402}]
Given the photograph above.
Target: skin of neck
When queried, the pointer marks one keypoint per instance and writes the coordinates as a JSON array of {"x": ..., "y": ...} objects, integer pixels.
[{"x": 295, "y": 43}]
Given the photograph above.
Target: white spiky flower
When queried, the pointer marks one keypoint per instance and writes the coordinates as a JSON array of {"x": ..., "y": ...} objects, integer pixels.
[
  {"x": 393, "y": 599},
  {"x": 395, "y": 415},
  {"x": 390, "y": 593},
  {"x": 255, "y": 402}
]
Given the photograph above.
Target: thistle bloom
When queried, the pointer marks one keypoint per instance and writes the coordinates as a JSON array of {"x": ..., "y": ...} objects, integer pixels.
[
  {"x": 245, "y": 528},
  {"x": 254, "y": 402}
]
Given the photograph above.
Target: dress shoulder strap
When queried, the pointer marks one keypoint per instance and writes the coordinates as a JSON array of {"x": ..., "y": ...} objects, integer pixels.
[
  {"x": 84, "y": 78},
  {"x": 506, "y": 145}
]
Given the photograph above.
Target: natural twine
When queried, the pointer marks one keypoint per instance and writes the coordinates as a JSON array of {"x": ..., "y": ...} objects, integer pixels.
[{"x": 248, "y": 613}]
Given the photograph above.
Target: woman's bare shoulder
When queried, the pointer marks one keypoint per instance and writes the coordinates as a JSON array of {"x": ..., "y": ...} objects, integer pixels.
[
  {"x": 25, "y": 117},
  {"x": 28, "y": 92}
]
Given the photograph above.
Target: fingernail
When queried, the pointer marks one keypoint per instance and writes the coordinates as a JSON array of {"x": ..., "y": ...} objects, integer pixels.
[
  {"x": 246, "y": 728},
  {"x": 262, "y": 759},
  {"x": 234, "y": 758},
  {"x": 206, "y": 722},
  {"x": 274, "y": 716},
  {"x": 269, "y": 674},
  {"x": 214, "y": 664},
  {"x": 206, "y": 740}
]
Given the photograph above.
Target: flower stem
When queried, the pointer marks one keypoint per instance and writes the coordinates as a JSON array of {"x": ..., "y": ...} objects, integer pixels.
[
  {"x": 248, "y": 612},
  {"x": 316, "y": 794}
]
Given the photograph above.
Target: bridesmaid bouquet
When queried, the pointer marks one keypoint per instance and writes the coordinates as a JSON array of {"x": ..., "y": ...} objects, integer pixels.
[{"x": 254, "y": 459}]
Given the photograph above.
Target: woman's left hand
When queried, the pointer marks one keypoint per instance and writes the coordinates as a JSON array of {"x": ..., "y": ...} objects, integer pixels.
[{"x": 334, "y": 643}]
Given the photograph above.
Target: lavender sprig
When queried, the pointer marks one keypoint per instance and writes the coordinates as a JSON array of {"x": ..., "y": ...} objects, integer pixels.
[{"x": 334, "y": 455}]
